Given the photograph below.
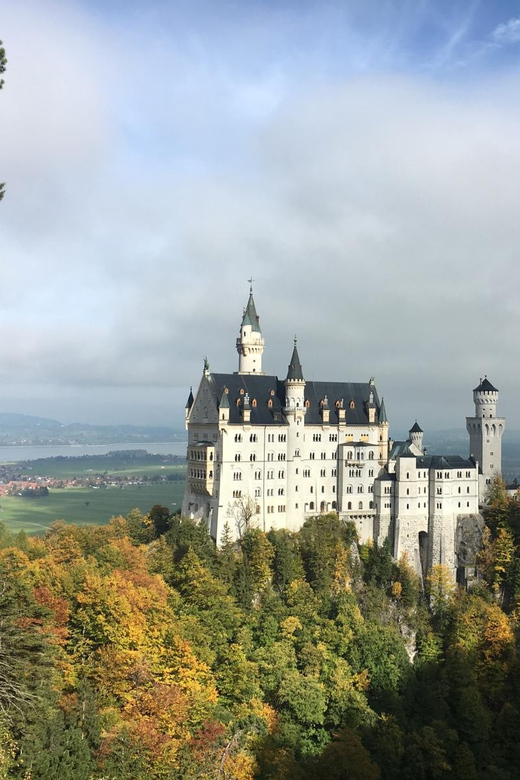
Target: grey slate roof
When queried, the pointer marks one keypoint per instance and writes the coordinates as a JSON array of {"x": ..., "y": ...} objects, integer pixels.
[
  {"x": 485, "y": 385},
  {"x": 401, "y": 448},
  {"x": 262, "y": 389},
  {"x": 295, "y": 367},
  {"x": 250, "y": 316},
  {"x": 382, "y": 412},
  {"x": 259, "y": 388},
  {"x": 416, "y": 428},
  {"x": 189, "y": 402},
  {"x": 445, "y": 462}
]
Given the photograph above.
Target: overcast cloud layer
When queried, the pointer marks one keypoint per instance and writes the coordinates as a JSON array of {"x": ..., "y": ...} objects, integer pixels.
[{"x": 360, "y": 160}]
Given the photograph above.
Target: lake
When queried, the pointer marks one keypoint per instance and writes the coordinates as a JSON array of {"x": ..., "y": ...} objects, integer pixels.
[{"x": 14, "y": 454}]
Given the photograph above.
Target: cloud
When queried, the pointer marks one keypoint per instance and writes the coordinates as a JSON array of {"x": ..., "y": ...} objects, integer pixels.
[
  {"x": 153, "y": 168},
  {"x": 508, "y": 32}
]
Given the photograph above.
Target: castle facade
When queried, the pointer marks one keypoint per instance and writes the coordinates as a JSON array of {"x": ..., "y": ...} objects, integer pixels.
[{"x": 274, "y": 451}]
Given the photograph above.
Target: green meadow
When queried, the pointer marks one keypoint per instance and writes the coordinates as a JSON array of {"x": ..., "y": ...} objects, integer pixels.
[
  {"x": 85, "y": 506},
  {"x": 117, "y": 463}
]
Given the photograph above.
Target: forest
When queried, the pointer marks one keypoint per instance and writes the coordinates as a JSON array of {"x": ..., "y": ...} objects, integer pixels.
[{"x": 137, "y": 650}]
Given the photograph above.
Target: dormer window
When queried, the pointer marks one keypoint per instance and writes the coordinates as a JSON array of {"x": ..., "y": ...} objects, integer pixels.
[
  {"x": 270, "y": 403},
  {"x": 254, "y": 403},
  {"x": 241, "y": 391},
  {"x": 307, "y": 404},
  {"x": 352, "y": 405}
]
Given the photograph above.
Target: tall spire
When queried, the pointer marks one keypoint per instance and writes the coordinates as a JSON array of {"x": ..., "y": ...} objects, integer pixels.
[
  {"x": 250, "y": 316},
  {"x": 250, "y": 344},
  {"x": 382, "y": 412},
  {"x": 295, "y": 371}
]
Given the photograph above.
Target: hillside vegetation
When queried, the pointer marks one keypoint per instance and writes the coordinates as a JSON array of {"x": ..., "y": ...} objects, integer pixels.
[{"x": 137, "y": 651}]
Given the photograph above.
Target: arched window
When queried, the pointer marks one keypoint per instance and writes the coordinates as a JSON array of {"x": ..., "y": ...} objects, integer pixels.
[
  {"x": 311, "y": 505},
  {"x": 352, "y": 405},
  {"x": 360, "y": 505},
  {"x": 270, "y": 403},
  {"x": 307, "y": 404}
]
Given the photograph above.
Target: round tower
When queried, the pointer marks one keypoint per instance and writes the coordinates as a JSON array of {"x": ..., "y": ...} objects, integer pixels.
[
  {"x": 250, "y": 344},
  {"x": 294, "y": 412},
  {"x": 415, "y": 435},
  {"x": 485, "y": 435},
  {"x": 295, "y": 383},
  {"x": 485, "y": 397}
]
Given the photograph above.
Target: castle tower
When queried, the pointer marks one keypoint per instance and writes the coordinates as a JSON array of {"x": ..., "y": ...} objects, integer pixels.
[
  {"x": 294, "y": 383},
  {"x": 250, "y": 344},
  {"x": 295, "y": 415},
  {"x": 383, "y": 433},
  {"x": 485, "y": 434},
  {"x": 416, "y": 436}
]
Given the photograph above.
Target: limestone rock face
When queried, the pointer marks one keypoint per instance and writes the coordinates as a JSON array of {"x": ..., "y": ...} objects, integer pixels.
[{"x": 468, "y": 539}]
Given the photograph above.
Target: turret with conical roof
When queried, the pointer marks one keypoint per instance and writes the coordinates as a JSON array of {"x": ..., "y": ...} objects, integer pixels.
[
  {"x": 250, "y": 344},
  {"x": 294, "y": 371},
  {"x": 189, "y": 403},
  {"x": 294, "y": 382},
  {"x": 416, "y": 436}
]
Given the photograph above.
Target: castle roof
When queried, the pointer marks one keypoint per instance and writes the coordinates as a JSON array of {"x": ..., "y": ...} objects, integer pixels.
[
  {"x": 189, "y": 402},
  {"x": 267, "y": 399},
  {"x": 485, "y": 385},
  {"x": 250, "y": 316},
  {"x": 416, "y": 428},
  {"x": 295, "y": 370},
  {"x": 382, "y": 412},
  {"x": 402, "y": 449},
  {"x": 445, "y": 462}
]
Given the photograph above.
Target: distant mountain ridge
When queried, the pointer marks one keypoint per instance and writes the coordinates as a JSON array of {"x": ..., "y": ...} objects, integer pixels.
[{"x": 19, "y": 429}]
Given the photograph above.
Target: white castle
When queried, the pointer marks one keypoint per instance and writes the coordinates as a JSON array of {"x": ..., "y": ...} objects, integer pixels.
[{"x": 283, "y": 450}]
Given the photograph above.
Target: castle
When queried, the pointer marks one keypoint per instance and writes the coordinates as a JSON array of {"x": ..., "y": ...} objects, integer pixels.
[{"x": 275, "y": 451}]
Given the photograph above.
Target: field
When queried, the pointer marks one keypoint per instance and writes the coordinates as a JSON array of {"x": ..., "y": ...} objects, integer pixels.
[
  {"x": 118, "y": 463},
  {"x": 85, "y": 506}
]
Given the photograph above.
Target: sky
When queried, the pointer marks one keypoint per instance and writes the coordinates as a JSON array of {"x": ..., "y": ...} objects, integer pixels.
[{"x": 359, "y": 160}]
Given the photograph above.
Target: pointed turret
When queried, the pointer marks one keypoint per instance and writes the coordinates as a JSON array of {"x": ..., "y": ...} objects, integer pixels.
[
  {"x": 223, "y": 407},
  {"x": 382, "y": 412},
  {"x": 295, "y": 371},
  {"x": 415, "y": 435},
  {"x": 224, "y": 400},
  {"x": 250, "y": 316},
  {"x": 189, "y": 402},
  {"x": 250, "y": 344},
  {"x": 295, "y": 383}
]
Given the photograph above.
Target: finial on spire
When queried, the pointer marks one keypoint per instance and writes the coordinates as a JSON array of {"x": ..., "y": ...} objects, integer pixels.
[
  {"x": 206, "y": 365},
  {"x": 251, "y": 280},
  {"x": 295, "y": 339}
]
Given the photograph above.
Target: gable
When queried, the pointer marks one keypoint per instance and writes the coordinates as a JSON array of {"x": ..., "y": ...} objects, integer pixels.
[{"x": 204, "y": 410}]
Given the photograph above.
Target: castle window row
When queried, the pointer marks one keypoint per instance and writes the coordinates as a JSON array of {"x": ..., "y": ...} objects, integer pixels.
[
  {"x": 200, "y": 474},
  {"x": 200, "y": 455}
]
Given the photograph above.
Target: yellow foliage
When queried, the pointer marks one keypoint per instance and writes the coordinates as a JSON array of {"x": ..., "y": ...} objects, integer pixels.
[
  {"x": 289, "y": 626},
  {"x": 397, "y": 590}
]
